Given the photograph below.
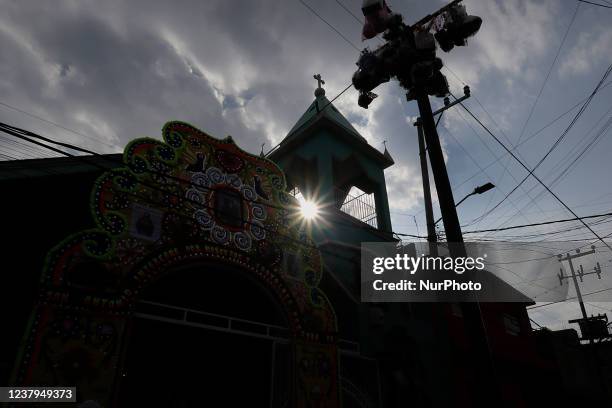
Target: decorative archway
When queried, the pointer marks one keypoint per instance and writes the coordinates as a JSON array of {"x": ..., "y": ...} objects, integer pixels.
[{"x": 189, "y": 198}]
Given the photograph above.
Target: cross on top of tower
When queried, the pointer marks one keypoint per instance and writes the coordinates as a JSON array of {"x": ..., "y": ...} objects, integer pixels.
[{"x": 319, "y": 91}]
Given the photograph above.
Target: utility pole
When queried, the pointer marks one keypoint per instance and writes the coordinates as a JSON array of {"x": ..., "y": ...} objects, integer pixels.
[
  {"x": 409, "y": 55},
  {"x": 569, "y": 258},
  {"x": 438, "y": 167},
  {"x": 480, "y": 348},
  {"x": 594, "y": 327},
  {"x": 590, "y": 327},
  {"x": 431, "y": 224},
  {"x": 431, "y": 228}
]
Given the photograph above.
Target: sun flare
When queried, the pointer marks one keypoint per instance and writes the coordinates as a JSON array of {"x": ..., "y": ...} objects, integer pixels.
[{"x": 309, "y": 209}]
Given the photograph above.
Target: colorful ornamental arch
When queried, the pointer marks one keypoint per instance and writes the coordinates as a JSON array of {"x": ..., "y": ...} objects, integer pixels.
[{"x": 190, "y": 197}]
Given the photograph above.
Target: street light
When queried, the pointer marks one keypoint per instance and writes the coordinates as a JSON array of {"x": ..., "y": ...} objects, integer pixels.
[{"x": 478, "y": 190}]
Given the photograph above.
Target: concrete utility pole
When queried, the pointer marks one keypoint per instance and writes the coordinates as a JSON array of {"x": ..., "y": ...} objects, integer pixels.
[
  {"x": 586, "y": 324},
  {"x": 431, "y": 228},
  {"x": 438, "y": 167},
  {"x": 487, "y": 390},
  {"x": 431, "y": 224},
  {"x": 569, "y": 258},
  {"x": 590, "y": 327}
]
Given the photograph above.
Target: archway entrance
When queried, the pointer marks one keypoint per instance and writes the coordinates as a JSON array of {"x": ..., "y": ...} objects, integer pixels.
[{"x": 206, "y": 333}]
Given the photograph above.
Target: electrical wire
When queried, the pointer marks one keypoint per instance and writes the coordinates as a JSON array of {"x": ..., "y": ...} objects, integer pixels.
[
  {"x": 497, "y": 159},
  {"x": 360, "y": 21},
  {"x": 550, "y": 150},
  {"x": 313, "y": 11},
  {"x": 514, "y": 149},
  {"x": 566, "y": 158},
  {"x": 595, "y": 4},
  {"x": 97, "y": 140},
  {"x": 535, "y": 103},
  {"x": 8, "y": 157},
  {"x": 539, "y": 223},
  {"x": 569, "y": 298},
  {"x": 536, "y": 323},
  {"x": 535, "y": 176},
  {"x": 553, "y": 233},
  {"x": 35, "y": 153},
  {"x": 475, "y": 162},
  {"x": 533, "y": 135},
  {"x": 589, "y": 146}
]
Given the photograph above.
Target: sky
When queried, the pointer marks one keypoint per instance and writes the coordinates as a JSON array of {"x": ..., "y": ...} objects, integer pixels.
[{"x": 108, "y": 72}]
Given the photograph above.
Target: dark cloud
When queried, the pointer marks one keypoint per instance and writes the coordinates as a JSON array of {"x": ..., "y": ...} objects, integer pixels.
[
  {"x": 134, "y": 65},
  {"x": 116, "y": 70}
]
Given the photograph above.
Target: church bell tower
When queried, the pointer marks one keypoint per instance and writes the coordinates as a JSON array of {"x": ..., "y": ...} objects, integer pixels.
[{"x": 327, "y": 161}]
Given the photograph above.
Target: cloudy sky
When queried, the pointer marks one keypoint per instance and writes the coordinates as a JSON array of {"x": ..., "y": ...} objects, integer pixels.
[{"x": 115, "y": 70}]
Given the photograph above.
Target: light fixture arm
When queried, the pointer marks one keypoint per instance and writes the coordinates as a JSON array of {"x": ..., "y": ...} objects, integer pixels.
[{"x": 478, "y": 190}]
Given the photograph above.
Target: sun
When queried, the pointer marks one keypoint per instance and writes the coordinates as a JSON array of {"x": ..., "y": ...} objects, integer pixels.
[{"x": 309, "y": 209}]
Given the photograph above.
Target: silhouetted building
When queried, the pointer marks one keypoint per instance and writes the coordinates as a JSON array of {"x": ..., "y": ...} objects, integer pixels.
[{"x": 178, "y": 273}]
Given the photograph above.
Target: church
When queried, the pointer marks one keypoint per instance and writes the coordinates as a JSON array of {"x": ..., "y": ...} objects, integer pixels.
[{"x": 182, "y": 272}]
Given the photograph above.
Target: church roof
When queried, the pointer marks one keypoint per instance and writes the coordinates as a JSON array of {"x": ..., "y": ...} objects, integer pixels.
[
  {"x": 322, "y": 112},
  {"x": 321, "y": 107}
]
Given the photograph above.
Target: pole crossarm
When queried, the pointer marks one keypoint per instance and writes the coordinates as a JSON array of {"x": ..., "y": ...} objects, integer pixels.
[
  {"x": 569, "y": 259},
  {"x": 448, "y": 104}
]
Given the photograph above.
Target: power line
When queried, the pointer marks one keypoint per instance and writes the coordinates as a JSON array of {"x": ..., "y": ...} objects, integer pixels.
[
  {"x": 35, "y": 153},
  {"x": 569, "y": 298},
  {"x": 54, "y": 124},
  {"x": 548, "y": 73},
  {"x": 598, "y": 307},
  {"x": 360, "y": 21},
  {"x": 535, "y": 176},
  {"x": 477, "y": 164},
  {"x": 550, "y": 150},
  {"x": 497, "y": 159},
  {"x": 514, "y": 149},
  {"x": 595, "y": 4},
  {"x": 589, "y": 144},
  {"x": 313, "y": 11},
  {"x": 604, "y": 129},
  {"x": 550, "y": 233},
  {"x": 592, "y": 203},
  {"x": 535, "y": 103},
  {"x": 536, "y": 323},
  {"x": 533, "y": 135},
  {"x": 8, "y": 157},
  {"x": 540, "y": 223},
  {"x": 23, "y": 155}
]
